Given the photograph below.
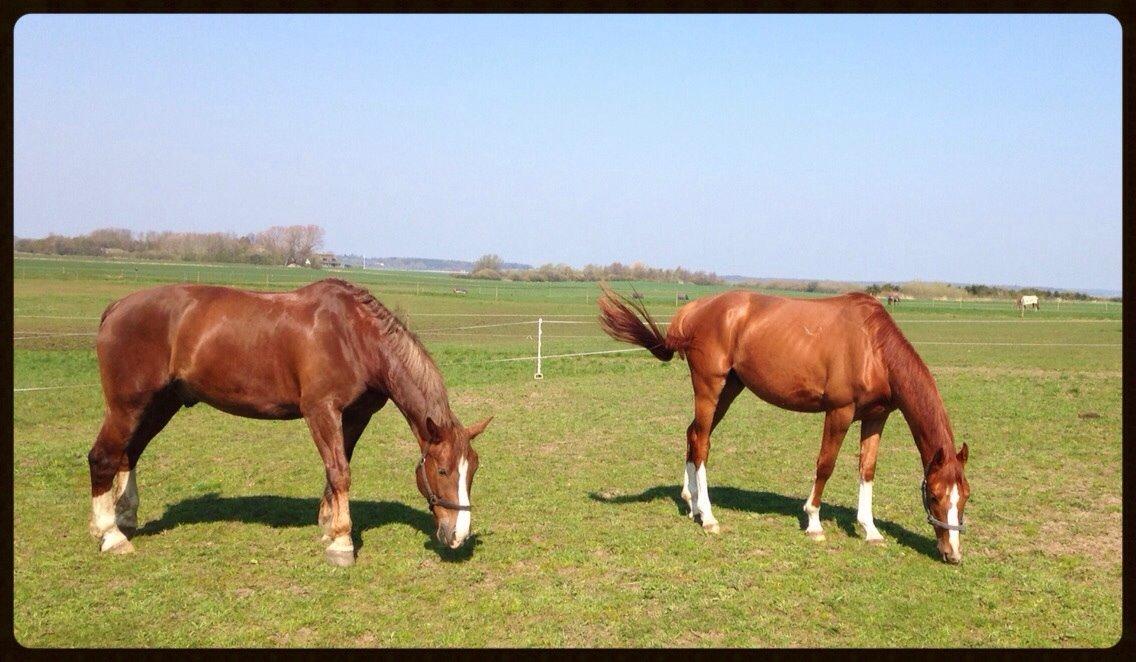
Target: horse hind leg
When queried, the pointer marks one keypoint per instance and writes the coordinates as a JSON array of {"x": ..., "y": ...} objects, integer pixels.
[
  {"x": 154, "y": 419},
  {"x": 107, "y": 462},
  {"x": 712, "y": 398},
  {"x": 114, "y": 488}
]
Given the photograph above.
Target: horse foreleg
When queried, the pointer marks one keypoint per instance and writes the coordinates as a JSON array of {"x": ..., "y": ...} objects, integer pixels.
[
  {"x": 325, "y": 423},
  {"x": 353, "y": 427},
  {"x": 836, "y": 424},
  {"x": 870, "y": 430}
]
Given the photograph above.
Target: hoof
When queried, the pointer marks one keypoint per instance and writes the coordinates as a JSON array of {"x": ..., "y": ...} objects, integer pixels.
[
  {"x": 340, "y": 558},
  {"x": 875, "y": 541},
  {"x": 128, "y": 531},
  {"x": 816, "y": 536},
  {"x": 710, "y": 527},
  {"x": 123, "y": 547}
]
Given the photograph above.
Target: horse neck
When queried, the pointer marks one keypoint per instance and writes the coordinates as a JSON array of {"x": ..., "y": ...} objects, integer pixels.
[
  {"x": 916, "y": 395},
  {"x": 414, "y": 384}
]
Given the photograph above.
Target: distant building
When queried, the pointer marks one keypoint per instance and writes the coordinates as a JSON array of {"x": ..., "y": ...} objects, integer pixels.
[{"x": 327, "y": 260}]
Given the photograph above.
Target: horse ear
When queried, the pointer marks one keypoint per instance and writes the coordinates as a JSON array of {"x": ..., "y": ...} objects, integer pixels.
[
  {"x": 478, "y": 427},
  {"x": 433, "y": 433},
  {"x": 962, "y": 453}
]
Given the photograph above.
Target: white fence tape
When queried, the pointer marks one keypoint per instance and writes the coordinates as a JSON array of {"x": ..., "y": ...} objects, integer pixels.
[{"x": 50, "y": 388}]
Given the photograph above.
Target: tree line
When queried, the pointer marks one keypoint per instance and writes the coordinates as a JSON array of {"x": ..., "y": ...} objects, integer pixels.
[
  {"x": 920, "y": 289},
  {"x": 279, "y": 244},
  {"x": 491, "y": 267}
]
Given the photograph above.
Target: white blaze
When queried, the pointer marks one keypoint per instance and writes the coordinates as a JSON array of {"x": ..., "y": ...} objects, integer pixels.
[
  {"x": 953, "y": 519},
  {"x": 461, "y": 529}
]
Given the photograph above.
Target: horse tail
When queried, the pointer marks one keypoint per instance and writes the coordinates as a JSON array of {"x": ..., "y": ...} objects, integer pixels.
[{"x": 620, "y": 319}]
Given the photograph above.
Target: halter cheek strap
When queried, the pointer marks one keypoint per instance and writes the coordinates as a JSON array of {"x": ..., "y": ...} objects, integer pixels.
[
  {"x": 961, "y": 526},
  {"x": 431, "y": 498}
]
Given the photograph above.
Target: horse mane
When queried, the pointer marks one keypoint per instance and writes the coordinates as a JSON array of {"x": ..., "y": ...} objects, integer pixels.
[
  {"x": 912, "y": 385},
  {"x": 407, "y": 349}
]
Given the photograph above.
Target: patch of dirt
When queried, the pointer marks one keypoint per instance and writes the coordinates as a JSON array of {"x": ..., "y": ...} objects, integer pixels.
[
  {"x": 1102, "y": 547},
  {"x": 297, "y": 637},
  {"x": 366, "y": 640}
]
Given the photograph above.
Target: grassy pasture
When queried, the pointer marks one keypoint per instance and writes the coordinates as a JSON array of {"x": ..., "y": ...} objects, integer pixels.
[{"x": 579, "y": 536}]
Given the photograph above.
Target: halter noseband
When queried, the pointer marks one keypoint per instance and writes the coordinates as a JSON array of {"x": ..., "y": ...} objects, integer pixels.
[
  {"x": 961, "y": 526},
  {"x": 431, "y": 498}
]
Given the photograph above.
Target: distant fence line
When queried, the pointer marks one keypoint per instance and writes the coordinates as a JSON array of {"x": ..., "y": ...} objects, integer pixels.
[
  {"x": 284, "y": 277},
  {"x": 475, "y": 331}
]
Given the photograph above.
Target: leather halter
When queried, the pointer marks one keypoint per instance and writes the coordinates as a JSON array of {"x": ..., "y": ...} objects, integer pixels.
[
  {"x": 431, "y": 498},
  {"x": 961, "y": 526}
]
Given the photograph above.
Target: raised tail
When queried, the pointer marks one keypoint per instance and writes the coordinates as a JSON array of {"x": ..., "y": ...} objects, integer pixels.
[{"x": 620, "y": 319}]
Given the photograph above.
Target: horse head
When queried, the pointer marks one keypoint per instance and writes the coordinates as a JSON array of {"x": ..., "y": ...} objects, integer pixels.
[
  {"x": 945, "y": 492},
  {"x": 445, "y": 477}
]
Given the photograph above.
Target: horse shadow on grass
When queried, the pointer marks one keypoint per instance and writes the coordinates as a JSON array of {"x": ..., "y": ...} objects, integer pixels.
[
  {"x": 778, "y": 504},
  {"x": 282, "y": 511}
]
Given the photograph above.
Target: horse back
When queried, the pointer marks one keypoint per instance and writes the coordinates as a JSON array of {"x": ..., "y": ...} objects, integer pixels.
[
  {"x": 254, "y": 354},
  {"x": 800, "y": 354}
]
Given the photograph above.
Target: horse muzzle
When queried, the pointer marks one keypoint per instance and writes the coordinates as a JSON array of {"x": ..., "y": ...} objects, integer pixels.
[{"x": 448, "y": 536}]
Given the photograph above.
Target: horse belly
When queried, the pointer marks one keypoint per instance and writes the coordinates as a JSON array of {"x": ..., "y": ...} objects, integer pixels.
[
  {"x": 784, "y": 386},
  {"x": 234, "y": 402},
  {"x": 238, "y": 381}
]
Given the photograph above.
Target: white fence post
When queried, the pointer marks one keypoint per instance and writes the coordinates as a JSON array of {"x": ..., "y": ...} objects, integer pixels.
[{"x": 539, "y": 333}]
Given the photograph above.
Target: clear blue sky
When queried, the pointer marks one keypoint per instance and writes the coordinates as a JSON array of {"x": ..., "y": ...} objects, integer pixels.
[{"x": 958, "y": 148}]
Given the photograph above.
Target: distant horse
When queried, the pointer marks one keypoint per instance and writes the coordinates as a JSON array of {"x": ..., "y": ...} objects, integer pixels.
[
  {"x": 1028, "y": 301},
  {"x": 636, "y": 295},
  {"x": 842, "y": 355},
  {"x": 682, "y": 296},
  {"x": 459, "y": 290},
  {"x": 328, "y": 352},
  {"x": 893, "y": 298}
]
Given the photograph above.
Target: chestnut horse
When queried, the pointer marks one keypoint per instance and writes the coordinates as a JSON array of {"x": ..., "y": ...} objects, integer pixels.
[
  {"x": 842, "y": 355},
  {"x": 328, "y": 352}
]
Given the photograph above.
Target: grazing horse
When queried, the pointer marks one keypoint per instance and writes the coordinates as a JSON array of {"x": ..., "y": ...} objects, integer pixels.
[
  {"x": 893, "y": 298},
  {"x": 682, "y": 296},
  {"x": 1028, "y": 301},
  {"x": 460, "y": 290},
  {"x": 842, "y": 355},
  {"x": 328, "y": 352}
]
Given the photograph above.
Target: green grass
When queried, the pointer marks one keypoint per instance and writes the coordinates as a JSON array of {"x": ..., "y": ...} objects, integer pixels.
[{"x": 579, "y": 537}]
